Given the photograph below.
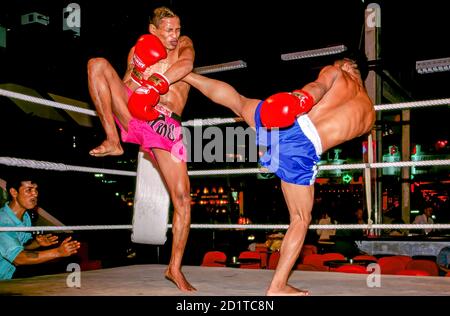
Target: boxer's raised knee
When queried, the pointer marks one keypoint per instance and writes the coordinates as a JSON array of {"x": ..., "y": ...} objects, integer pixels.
[{"x": 96, "y": 65}]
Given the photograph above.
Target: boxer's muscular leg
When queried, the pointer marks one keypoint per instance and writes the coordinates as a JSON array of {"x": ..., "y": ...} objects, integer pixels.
[
  {"x": 110, "y": 98},
  {"x": 176, "y": 177},
  {"x": 300, "y": 200},
  {"x": 224, "y": 94}
]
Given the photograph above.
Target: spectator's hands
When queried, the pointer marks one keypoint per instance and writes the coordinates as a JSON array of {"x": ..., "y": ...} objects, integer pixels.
[
  {"x": 46, "y": 240},
  {"x": 68, "y": 248}
]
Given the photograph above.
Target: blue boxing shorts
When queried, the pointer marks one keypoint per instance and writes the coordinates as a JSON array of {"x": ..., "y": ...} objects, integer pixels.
[{"x": 293, "y": 152}]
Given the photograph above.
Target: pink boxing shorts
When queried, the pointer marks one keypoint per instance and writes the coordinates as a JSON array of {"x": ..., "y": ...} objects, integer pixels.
[
  {"x": 165, "y": 132},
  {"x": 129, "y": 91}
]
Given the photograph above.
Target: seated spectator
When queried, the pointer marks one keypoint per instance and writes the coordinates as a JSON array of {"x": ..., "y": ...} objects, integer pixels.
[
  {"x": 443, "y": 261},
  {"x": 393, "y": 212},
  {"x": 397, "y": 231},
  {"x": 345, "y": 238},
  {"x": 274, "y": 241},
  {"x": 324, "y": 234},
  {"x": 359, "y": 218},
  {"x": 19, "y": 248},
  {"x": 425, "y": 218}
]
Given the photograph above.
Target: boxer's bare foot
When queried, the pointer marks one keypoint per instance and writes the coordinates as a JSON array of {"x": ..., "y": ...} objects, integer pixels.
[
  {"x": 107, "y": 148},
  {"x": 179, "y": 280},
  {"x": 287, "y": 290}
]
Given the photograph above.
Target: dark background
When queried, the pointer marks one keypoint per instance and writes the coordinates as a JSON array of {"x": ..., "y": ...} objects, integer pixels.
[
  {"x": 254, "y": 31},
  {"x": 50, "y": 60}
]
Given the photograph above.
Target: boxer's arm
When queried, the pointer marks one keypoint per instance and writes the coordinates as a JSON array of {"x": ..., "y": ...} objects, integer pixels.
[
  {"x": 282, "y": 109},
  {"x": 322, "y": 84},
  {"x": 148, "y": 51},
  {"x": 158, "y": 81},
  {"x": 185, "y": 62}
]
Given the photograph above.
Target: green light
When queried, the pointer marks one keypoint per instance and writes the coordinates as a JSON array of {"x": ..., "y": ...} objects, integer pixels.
[{"x": 347, "y": 178}]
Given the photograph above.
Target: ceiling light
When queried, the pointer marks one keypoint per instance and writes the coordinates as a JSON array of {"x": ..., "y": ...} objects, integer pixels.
[
  {"x": 314, "y": 53},
  {"x": 221, "y": 67},
  {"x": 433, "y": 65}
]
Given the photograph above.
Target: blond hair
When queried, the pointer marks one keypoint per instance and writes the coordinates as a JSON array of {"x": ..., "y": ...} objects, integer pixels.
[{"x": 161, "y": 13}]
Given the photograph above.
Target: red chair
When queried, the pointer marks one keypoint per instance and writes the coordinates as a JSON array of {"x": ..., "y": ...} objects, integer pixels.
[
  {"x": 333, "y": 256},
  {"x": 315, "y": 260},
  {"x": 310, "y": 267},
  {"x": 424, "y": 265},
  {"x": 391, "y": 265},
  {"x": 91, "y": 265},
  {"x": 413, "y": 272},
  {"x": 250, "y": 255},
  {"x": 448, "y": 274},
  {"x": 365, "y": 257},
  {"x": 85, "y": 262},
  {"x": 263, "y": 253},
  {"x": 307, "y": 250},
  {"x": 405, "y": 259},
  {"x": 214, "y": 259},
  {"x": 273, "y": 260},
  {"x": 351, "y": 268}
]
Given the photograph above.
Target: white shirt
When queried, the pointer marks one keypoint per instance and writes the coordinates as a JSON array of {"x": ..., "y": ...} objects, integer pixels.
[
  {"x": 325, "y": 233},
  {"x": 423, "y": 219}
]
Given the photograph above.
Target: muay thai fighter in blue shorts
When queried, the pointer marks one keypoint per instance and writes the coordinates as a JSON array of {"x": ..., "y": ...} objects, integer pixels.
[{"x": 296, "y": 128}]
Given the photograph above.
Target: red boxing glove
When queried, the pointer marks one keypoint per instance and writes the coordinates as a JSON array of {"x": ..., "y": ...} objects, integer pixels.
[
  {"x": 141, "y": 103},
  {"x": 159, "y": 82},
  {"x": 306, "y": 100},
  {"x": 280, "y": 110},
  {"x": 148, "y": 51}
]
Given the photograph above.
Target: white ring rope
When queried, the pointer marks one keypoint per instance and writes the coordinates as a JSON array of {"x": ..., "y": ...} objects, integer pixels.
[
  {"x": 411, "y": 105},
  {"x": 35, "y": 164},
  {"x": 29, "y": 98},
  {"x": 234, "y": 226},
  {"x": 211, "y": 121}
]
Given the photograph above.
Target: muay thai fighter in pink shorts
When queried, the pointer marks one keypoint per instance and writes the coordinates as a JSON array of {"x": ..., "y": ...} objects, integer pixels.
[
  {"x": 162, "y": 129},
  {"x": 148, "y": 113}
]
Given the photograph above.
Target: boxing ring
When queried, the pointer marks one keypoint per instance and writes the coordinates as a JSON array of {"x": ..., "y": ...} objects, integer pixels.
[
  {"x": 149, "y": 279},
  {"x": 151, "y": 210}
]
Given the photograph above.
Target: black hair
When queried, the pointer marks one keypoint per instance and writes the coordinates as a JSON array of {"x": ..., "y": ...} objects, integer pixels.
[
  {"x": 14, "y": 181},
  {"x": 360, "y": 58}
]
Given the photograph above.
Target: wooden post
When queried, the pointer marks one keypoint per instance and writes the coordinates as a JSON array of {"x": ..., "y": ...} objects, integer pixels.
[
  {"x": 405, "y": 173},
  {"x": 374, "y": 90},
  {"x": 241, "y": 203}
]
